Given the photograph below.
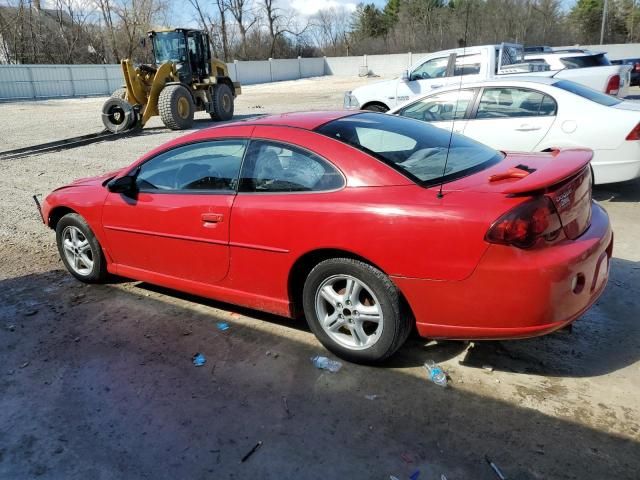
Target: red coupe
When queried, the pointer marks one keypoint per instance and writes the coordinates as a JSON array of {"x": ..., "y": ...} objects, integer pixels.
[{"x": 365, "y": 223}]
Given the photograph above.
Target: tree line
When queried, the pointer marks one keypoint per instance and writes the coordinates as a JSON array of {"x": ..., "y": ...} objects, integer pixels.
[{"x": 105, "y": 31}]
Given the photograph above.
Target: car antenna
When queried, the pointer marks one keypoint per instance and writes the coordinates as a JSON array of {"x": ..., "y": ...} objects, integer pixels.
[
  {"x": 455, "y": 108},
  {"x": 554, "y": 75}
]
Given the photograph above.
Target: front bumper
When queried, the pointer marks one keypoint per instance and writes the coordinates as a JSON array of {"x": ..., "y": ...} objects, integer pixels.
[
  {"x": 39, "y": 207},
  {"x": 516, "y": 293}
]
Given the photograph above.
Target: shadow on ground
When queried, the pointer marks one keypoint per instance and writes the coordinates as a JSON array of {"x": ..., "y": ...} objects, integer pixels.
[
  {"x": 97, "y": 382},
  {"x": 592, "y": 347},
  {"x": 618, "y": 192}
]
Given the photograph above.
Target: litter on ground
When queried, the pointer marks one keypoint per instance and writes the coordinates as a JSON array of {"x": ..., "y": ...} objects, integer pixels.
[{"x": 199, "y": 359}]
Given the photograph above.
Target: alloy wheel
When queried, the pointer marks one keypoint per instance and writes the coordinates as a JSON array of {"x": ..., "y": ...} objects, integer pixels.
[
  {"x": 349, "y": 312},
  {"x": 77, "y": 250}
]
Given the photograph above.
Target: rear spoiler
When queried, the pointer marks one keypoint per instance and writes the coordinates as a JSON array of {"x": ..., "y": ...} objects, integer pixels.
[{"x": 566, "y": 164}]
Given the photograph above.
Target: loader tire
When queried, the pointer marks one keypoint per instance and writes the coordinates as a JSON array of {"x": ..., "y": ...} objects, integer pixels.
[
  {"x": 120, "y": 93},
  {"x": 118, "y": 115},
  {"x": 222, "y": 98},
  {"x": 176, "y": 107}
]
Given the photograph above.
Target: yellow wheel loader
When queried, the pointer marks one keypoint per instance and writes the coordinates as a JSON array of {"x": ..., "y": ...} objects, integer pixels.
[{"x": 184, "y": 79}]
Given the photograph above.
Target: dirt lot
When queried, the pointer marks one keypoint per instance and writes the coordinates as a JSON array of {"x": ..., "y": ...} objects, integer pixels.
[{"x": 97, "y": 381}]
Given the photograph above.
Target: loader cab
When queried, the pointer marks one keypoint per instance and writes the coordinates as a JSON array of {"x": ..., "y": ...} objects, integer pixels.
[{"x": 187, "y": 49}]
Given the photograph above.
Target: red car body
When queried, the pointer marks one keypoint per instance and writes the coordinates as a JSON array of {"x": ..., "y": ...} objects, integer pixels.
[{"x": 254, "y": 250}]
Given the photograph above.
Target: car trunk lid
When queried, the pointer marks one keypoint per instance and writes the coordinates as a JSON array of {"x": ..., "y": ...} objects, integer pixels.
[{"x": 562, "y": 175}]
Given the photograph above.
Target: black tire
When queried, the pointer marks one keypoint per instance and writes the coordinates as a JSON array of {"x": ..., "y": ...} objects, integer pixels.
[
  {"x": 98, "y": 272},
  {"x": 120, "y": 93},
  {"x": 396, "y": 322},
  {"x": 376, "y": 107},
  {"x": 176, "y": 107},
  {"x": 222, "y": 99},
  {"x": 118, "y": 115}
]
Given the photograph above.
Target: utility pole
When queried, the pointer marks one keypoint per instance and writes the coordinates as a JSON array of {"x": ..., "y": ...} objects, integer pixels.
[
  {"x": 633, "y": 17},
  {"x": 604, "y": 21}
]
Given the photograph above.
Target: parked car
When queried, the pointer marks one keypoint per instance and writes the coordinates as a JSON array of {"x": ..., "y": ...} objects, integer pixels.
[
  {"x": 474, "y": 64},
  {"x": 367, "y": 223},
  {"x": 537, "y": 114},
  {"x": 635, "y": 68},
  {"x": 569, "y": 59}
]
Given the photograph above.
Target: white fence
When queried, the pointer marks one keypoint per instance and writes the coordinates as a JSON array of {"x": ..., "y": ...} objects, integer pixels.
[
  {"x": 393, "y": 65},
  {"x": 20, "y": 82},
  {"x": 384, "y": 65},
  {"x": 50, "y": 81},
  {"x": 46, "y": 81}
]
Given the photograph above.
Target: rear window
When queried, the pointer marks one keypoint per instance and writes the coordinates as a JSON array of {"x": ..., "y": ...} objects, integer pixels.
[
  {"x": 414, "y": 148},
  {"x": 585, "y": 61},
  {"x": 588, "y": 93}
]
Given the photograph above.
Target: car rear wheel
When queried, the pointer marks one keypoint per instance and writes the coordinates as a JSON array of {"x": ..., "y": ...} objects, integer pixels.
[
  {"x": 355, "y": 310},
  {"x": 80, "y": 250}
]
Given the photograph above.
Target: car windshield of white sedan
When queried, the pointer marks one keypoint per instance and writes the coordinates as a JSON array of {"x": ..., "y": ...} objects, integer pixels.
[
  {"x": 413, "y": 147},
  {"x": 588, "y": 93}
]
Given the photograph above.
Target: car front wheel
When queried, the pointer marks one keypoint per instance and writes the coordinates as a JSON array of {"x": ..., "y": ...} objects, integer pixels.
[
  {"x": 355, "y": 310},
  {"x": 79, "y": 249}
]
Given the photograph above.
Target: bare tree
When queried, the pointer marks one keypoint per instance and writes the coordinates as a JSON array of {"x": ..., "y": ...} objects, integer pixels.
[
  {"x": 215, "y": 25},
  {"x": 71, "y": 19},
  {"x": 206, "y": 22},
  {"x": 280, "y": 23},
  {"x": 330, "y": 29},
  {"x": 240, "y": 10},
  {"x": 107, "y": 16}
]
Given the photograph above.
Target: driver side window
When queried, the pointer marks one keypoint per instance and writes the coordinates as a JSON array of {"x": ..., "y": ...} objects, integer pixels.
[
  {"x": 434, "y": 68},
  {"x": 444, "y": 107},
  {"x": 206, "y": 166}
]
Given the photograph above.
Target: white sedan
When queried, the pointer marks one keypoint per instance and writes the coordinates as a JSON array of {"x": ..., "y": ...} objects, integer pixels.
[{"x": 536, "y": 114}]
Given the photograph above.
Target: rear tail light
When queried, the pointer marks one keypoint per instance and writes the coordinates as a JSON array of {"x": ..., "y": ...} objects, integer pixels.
[
  {"x": 635, "y": 133},
  {"x": 525, "y": 224},
  {"x": 636, "y": 67},
  {"x": 613, "y": 85}
]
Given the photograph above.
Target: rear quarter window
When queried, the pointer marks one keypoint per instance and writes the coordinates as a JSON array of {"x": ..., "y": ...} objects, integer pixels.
[
  {"x": 588, "y": 93},
  {"x": 426, "y": 154},
  {"x": 585, "y": 61}
]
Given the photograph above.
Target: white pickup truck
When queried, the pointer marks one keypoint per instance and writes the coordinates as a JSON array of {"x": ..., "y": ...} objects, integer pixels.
[{"x": 472, "y": 64}]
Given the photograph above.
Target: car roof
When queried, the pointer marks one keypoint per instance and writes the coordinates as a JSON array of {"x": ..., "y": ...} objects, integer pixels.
[
  {"x": 514, "y": 80},
  {"x": 305, "y": 120}
]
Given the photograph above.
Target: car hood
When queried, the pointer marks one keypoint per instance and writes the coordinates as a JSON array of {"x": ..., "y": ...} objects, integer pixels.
[{"x": 92, "y": 181}]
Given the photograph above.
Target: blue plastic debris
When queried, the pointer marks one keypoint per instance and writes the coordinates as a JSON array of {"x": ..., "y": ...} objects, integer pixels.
[
  {"x": 222, "y": 326},
  {"x": 415, "y": 475},
  {"x": 199, "y": 360}
]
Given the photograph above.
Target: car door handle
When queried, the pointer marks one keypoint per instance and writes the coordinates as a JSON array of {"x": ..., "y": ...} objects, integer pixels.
[
  {"x": 209, "y": 218},
  {"x": 527, "y": 128},
  {"x": 436, "y": 86}
]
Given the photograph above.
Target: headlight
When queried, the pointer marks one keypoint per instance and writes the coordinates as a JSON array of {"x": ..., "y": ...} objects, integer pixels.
[{"x": 350, "y": 101}]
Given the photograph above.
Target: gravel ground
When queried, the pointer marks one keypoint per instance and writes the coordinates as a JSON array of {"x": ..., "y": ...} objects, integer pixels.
[{"x": 97, "y": 381}]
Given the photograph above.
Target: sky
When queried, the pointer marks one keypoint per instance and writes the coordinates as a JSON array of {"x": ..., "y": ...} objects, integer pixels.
[{"x": 309, "y": 7}]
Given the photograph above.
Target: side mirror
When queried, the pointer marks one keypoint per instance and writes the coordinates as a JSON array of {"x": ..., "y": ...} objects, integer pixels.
[
  {"x": 405, "y": 76},
  {"x": 125, "y": 184}
]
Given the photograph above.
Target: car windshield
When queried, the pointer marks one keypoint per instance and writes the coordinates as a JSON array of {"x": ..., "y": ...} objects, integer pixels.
[
  {"x": 169, "y": 47},
  {"x": 588, "y": 93},
  {"x": 415, "y": 148}
]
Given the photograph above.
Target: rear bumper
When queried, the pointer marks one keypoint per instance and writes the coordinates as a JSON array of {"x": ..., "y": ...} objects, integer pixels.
[
  {"x": 516, "y": 293},
  {"x": 611, "y": 166}
]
